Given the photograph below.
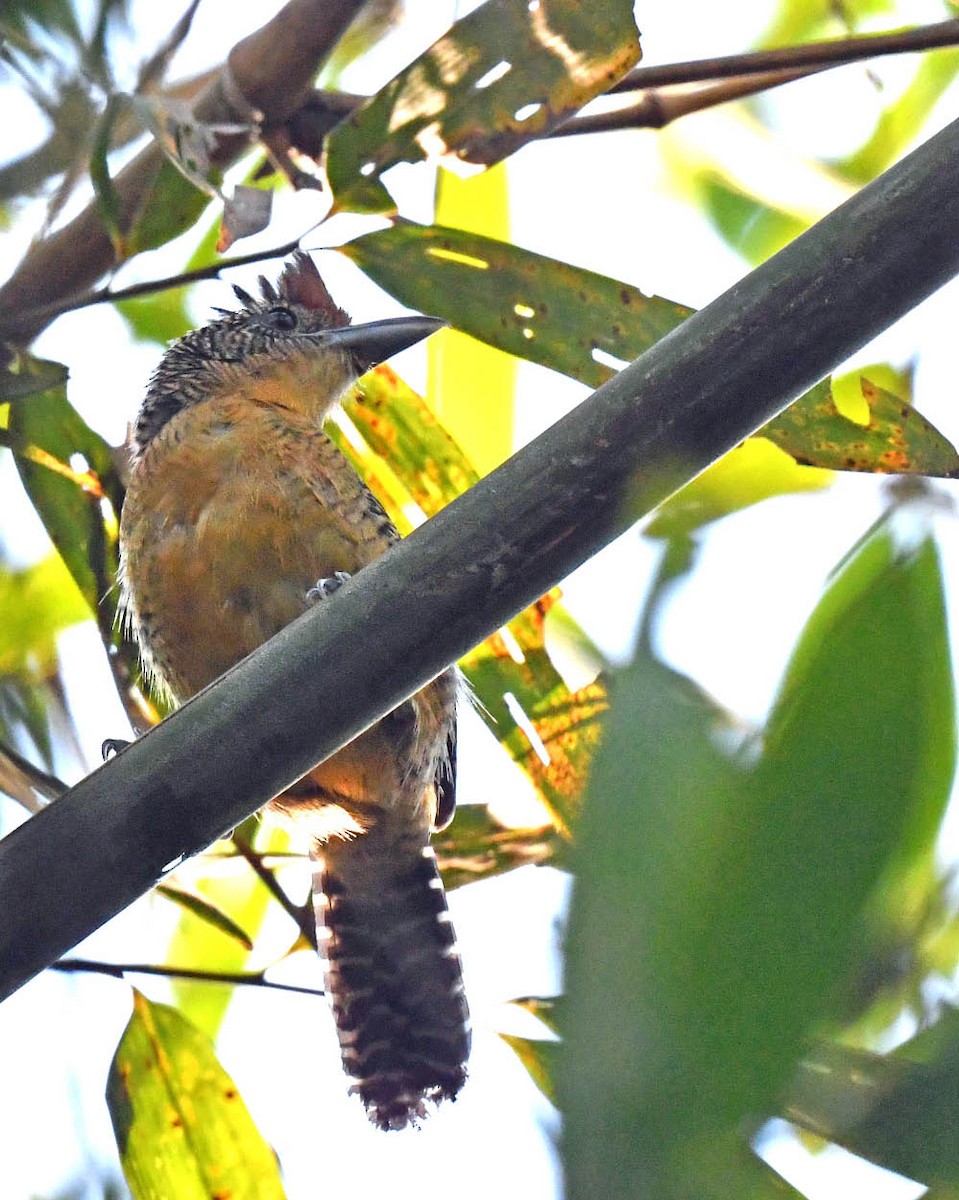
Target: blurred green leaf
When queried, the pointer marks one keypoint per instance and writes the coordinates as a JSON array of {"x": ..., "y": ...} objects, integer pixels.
[
  {"x": 898, "y": 125},
  {"x": 199, "y": 942},
  {"x": 25, "y": 375},
  {"x": 181, "y": 1126},
  {"x": 465, "y": 96},
  {"x": 755, "y": 470},
  {"x": 170, "y": 207},
  {"x": 898, "y": 1110},
  {"x": 798, "y": 20},
  {"x": 35, "y": 605},
  {"x": 45, "y": 433},
  {"x": 718, "y": 906},
  {"x": 754, "y": 228}
]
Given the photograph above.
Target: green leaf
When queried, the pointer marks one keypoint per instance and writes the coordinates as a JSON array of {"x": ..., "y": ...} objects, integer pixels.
[
  {"x": 170, "y": 206},
  {"x": 207, "y": 911},
  {"x": 539, "y": 1058},
  {"x": 753, "y": 471},
  {"x": 524, "y": 303},
  {"x": 718, "y": 907},
  {"x": 35, "y": 605},
  {"x": 45, "y": 433},
  {"x": 894, "y": 1110},
  {"x": 532, "y": 306},
  {"x": 243, "y": 901},
  {"x": 26, "y": 376},
  {"x": 899, "y": 124},
  {"x": 108, "y": 201},
  {"x": 181, "y": 1127},
  {"x": 508, "y": 72},
  {"x": 896, "y": 439}
]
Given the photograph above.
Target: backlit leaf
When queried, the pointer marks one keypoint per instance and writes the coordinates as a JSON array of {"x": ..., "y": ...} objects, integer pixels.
[{"x": 181, "y": 1126}]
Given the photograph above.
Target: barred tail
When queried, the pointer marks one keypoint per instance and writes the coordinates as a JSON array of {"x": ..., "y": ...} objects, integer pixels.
[{"x": 393, "y": 974}]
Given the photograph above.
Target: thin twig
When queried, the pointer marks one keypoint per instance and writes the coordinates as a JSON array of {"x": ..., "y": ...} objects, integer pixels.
[
  {"x": 49, "y": 312},
  {"x": 77, "y": 966},
  {"x": 658, "y": 107},
  {"x": 834, "y": 52},
  {"x": 300, "y": 914}
]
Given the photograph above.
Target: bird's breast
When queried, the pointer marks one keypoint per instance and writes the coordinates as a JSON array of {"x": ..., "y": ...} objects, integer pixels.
[{"x": 232, "y": 515}]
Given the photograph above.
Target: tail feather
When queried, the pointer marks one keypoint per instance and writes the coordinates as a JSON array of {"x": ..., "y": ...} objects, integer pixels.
[{"x": 393, "y": 975}]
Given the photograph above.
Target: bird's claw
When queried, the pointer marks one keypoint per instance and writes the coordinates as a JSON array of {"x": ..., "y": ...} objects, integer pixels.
[
  {"x": 112, "y": 746},
  {"x": 326, "y": 587}
]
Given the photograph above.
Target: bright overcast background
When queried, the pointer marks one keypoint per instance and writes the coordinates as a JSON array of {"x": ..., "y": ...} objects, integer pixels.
[{"x": 731, "y": 626}]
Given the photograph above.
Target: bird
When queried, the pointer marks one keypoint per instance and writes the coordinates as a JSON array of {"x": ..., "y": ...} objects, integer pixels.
[{"x": 240, "y": 513}]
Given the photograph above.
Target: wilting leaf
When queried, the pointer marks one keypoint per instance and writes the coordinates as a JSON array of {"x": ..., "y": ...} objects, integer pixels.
[
  {"x": 400, "y": 427},
  {"x": 182, "y": 1128},
  {"x": 511, "y": 673},
  {"x": 508, "y": 72},
  {"x": 550, "y": 732},
  {"x": 246, "y": 212},
  {"x": 477, "y": 846},
  {"x": 897, "y": 440}
]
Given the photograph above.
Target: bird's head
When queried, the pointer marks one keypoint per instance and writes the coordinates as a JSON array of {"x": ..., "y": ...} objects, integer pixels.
[{"x": 291, "y": 346}]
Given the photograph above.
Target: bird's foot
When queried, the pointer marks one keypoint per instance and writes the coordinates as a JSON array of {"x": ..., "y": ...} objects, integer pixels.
[{"x": 326, "y": 587}]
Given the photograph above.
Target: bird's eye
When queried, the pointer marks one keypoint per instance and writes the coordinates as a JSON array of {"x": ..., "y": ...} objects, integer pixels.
[{"x": 283, "y": 319}]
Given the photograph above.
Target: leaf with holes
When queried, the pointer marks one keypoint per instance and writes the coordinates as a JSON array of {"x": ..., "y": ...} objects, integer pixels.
[
  {"x": 896, "y": 440},
  {"x": 510, "y": 71},
  {"x": 181, "y": 1126},
  {"x": 532, "y": 306}
]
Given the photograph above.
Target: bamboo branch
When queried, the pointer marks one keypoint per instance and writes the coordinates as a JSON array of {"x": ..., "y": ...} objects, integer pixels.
[{"x": 320, "y": 682}]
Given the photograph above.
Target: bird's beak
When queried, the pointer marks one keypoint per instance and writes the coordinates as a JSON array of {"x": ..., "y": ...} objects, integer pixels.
[{"x": 379, "y": 340}]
